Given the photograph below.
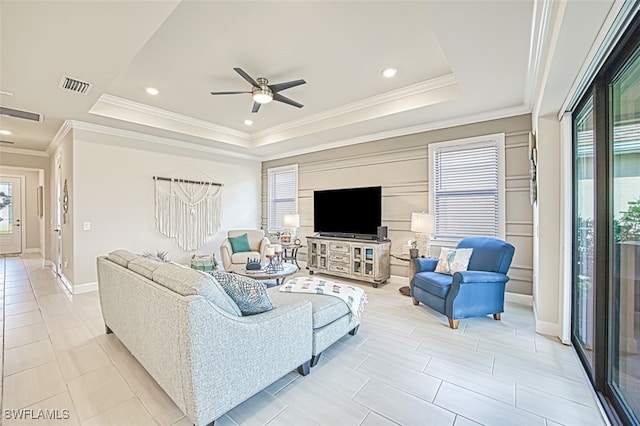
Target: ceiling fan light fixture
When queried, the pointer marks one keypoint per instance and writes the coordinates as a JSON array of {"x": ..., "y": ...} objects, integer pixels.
[{"x": 262, "y": 95}]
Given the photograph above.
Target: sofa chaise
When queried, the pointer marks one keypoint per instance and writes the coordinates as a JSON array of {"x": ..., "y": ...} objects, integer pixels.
[{"x": 191, "y": 337}]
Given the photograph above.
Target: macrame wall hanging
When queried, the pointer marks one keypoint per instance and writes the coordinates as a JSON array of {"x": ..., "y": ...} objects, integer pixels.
[{"x": 187, "y": 210}]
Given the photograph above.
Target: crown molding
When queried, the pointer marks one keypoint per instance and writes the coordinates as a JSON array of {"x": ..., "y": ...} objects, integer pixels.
[
  {"x": 233, "y": 136},
  {"x": 59, "y": 137},
  {"x": 414, "y": 89},
  {"x": 555, "y": 20},
  {"x": 128, "y": 134},
  {"x": 540, "y": 23},
  {"x": 33, "y": 152},
  {"x": 478, "y": 118},
  {"x": 618, "y": 20}
]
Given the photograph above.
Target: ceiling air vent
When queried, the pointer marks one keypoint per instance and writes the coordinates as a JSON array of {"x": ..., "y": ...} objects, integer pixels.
[
  {"x": 16, "y": 113},
  {"x": 7, "y": 142},
  {"x": 75, "y": 85}
]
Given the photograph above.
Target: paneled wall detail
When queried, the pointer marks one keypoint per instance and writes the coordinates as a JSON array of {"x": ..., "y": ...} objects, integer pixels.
[{"x": 401, "y": 167}]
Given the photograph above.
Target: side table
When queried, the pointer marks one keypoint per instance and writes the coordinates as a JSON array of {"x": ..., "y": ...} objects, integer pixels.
[
  {"x": 290, "y": 253},
  {"x": 406, "y": 290}
]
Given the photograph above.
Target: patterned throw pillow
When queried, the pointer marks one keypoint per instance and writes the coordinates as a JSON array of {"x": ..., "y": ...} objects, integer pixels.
[
  {"x": 250, "y": 295},
  {"x": 453, "y": 260}
]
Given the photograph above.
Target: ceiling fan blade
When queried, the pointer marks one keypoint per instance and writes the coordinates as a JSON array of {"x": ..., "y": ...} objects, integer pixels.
[
  {"x": 256, "y": 107},
  {"x": 246, "y": 77},
  {"x": 283, "y": 86},
  {"x": 227, "y": 93},
  {"x": 278, "y": 97}
]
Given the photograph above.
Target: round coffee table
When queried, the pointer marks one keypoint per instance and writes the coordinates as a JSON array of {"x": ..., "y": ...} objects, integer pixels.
[{"x": 261, "y": 275}]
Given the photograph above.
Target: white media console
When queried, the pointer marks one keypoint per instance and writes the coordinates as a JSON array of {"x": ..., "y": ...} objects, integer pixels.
[{"x": 366, "y": 260}]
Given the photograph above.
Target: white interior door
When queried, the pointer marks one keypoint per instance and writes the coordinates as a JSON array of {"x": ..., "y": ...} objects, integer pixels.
[{"x": 10, "y": 215}]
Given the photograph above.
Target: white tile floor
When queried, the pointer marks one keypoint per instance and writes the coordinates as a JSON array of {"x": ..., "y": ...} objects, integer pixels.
[{"x": 405, "y": 366}]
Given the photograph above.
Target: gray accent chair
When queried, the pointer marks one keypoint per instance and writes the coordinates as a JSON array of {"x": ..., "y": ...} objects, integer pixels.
[
  {"x": 257, "y": 241},
  {"x": 191, "y": 337}
]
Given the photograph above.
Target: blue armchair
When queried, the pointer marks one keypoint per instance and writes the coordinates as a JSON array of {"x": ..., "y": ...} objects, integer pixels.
[{"x": 475, "y": 292}]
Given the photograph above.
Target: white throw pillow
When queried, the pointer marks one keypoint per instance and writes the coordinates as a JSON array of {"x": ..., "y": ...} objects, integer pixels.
[{"x": 453, "y": 260}]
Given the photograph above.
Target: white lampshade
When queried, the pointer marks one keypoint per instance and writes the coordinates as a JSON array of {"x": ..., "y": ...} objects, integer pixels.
[
  {"x": 291, "y": 220},
  {"x": 423, "y": 223}
]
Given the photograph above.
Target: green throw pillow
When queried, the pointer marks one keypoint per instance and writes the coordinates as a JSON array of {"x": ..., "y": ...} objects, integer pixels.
[
  {"x": 250, "y": 295},
  {"x": 240, "y": 243}
]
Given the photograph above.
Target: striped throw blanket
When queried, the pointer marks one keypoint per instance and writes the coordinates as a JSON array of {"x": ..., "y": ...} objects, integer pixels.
[{"x": 353, "y": 296}]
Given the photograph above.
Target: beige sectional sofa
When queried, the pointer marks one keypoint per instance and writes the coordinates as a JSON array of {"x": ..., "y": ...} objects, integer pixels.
[{"x": 191, "y": 337}]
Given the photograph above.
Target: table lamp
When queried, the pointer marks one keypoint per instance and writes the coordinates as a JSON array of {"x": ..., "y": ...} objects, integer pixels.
[
  {"x": 291, "y": 221},
  {"x": 423, "y": 225}
]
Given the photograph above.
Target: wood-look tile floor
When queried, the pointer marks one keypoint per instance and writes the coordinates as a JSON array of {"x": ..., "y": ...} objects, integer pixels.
[{"x": 405, "y": 366}]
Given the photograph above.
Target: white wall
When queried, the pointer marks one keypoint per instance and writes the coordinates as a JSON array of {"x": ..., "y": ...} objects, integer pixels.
[
  {"x": 114, "y": 191},
  {"x": 548, "y": 235}
]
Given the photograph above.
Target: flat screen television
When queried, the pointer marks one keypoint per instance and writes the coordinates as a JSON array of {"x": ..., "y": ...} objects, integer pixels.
[{"x": 350, "y": 212}]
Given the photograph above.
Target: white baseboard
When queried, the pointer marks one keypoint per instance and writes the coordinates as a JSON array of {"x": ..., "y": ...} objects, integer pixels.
[
  {"x": 68, "y": 284},
  {"x": 85, "y": 288},
  {"x": 398, "y": 279},
  {"x": 548, "y": 328},
  {"x": 522, "y": 299}
]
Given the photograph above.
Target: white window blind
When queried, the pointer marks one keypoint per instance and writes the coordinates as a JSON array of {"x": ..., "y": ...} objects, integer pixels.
[
  {"x": 467, "y": 189},
  {"x": 282, "y": 197}
]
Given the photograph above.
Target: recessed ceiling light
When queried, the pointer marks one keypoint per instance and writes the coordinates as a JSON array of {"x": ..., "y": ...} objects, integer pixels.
[
  {"x": 152, "y": 90},
  {"x": 4, "y": 92},
  {"x": 389, "y": 72},
  {"x": 248, "y": 122},
  {"x": 5, "y": 132}
]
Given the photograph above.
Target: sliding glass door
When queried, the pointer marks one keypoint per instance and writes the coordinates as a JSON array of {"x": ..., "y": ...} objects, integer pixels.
[
  {"x": 583, "y": 237},
  {"x": 624, "y": 223},
  {"x": 606, "y": 229}
]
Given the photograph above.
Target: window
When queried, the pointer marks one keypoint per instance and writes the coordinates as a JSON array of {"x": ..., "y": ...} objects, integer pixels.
[
  {"x": 282, "y": 194},
  {"x": 467, "y": 187}
]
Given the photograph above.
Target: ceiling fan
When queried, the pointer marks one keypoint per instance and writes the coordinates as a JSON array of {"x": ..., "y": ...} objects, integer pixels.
[{"x": 262, "y": 92}]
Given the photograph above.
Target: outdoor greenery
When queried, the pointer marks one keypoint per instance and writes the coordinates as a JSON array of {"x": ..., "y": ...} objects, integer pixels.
[{"x": 627, "y": 228}]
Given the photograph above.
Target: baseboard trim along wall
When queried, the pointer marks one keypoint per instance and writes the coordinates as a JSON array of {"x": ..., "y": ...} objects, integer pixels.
[
  {"x": 66, "y": 283},
  {"x": 85, "y": 288},
  {"x": 522, "y": 299}
]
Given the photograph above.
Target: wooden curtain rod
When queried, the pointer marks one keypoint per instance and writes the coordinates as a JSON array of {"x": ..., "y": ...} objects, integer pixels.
[{"x": 187, "y": 181}]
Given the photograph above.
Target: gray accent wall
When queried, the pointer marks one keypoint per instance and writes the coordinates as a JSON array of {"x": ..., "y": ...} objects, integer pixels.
[{"x": 400, "y": 165}]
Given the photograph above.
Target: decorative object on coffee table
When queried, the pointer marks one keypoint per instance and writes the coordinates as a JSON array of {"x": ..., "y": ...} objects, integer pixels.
[
  {"x": 274, "y": 253},
  {"x": 266, "y": 274},
  {"x": 253, "y": 265}
]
